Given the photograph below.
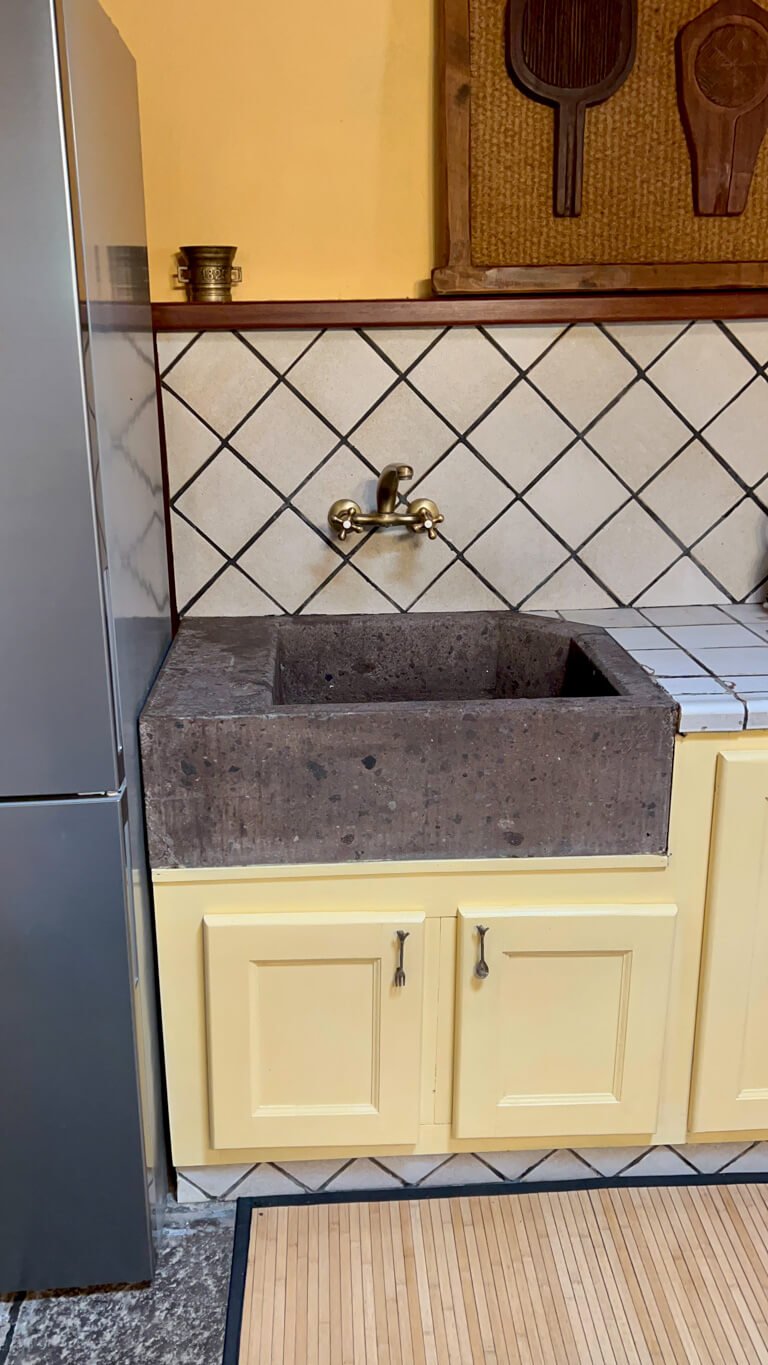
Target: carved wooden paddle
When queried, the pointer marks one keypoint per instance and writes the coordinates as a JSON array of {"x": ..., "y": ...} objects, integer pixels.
[
  {"x": 571, "y": 54},
  {"x": 722, "y": 72}
]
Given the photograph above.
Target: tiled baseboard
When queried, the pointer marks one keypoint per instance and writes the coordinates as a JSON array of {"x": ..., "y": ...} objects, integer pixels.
[{"x": 196, "y": 1184}]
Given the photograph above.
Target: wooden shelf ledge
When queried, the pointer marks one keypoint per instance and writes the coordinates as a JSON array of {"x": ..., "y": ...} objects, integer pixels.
[{"x": 466, "y": 312}]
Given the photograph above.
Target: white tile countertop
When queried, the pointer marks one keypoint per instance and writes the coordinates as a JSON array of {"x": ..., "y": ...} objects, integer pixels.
[{"x": 713, "y": 660}]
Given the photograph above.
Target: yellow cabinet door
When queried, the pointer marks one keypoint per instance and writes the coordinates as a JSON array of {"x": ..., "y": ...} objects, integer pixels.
[
  {"x": 565, "y": 1033},
  {"x": 730, "y": 1090},
  {"x": 310, "y": 1041}
]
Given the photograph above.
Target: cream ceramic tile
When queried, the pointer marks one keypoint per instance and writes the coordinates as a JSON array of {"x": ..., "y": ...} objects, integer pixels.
[
  {"x": 228, "y": 502},
  {"x": 281, "y": 348},
  {"x": 739, "y": 433},
  {"x": 562, "y": 1165},
  {"x": 402, "y": 564},
  {"x": 459, "y": 590},
  {"x": 342, "y": 476},
  {"x": 641, "y": 637},
  {"x": 516, "y": 554},
  {"x": 700, "y": 714},
  {"x": 402, "y": 429},
  {"x": 736, "y": 551},
  {"x": 403, "y": 345},
  {"x": 363, "y": 1174},
  {"x": 630, "y": 552},
  {"x": 570, "y": 586},
  {"x": 187, "y": 1193},
  {"x": 732, "y": 662},
  {"x": 747, "y": 612},
  {"x": 514, "y": 1165},
  {"x": 638, "y": 434},
  {"x": 758, "y": 629},
  {"x": 521, "y": 436},
  {"x": 609, "y": 1161},
  {"x": 705, "y": 686},
  {"x": 170, "y": 345},
  {"x": 263, "y": 1181},
  {"x": 719, "y": 636},
  {"x": 348, "y": 592},
  {"x": 194, "y": 560},
  {"x": 743, "y": 684},
  {"x": 701, "y": 372},
  {"x": 757, "y": 710},
  {"x": 582, "y": 374},
  {"x": 668, "y": 663},
  {"x": 462, "y": 375},
  {"x": 613, "y": 618},
  {"x": 463, "y": 1169},
  {"x": 411, "y": 1169},
  {"x": 753, "y": 335},
  {"x": 524, "y": 344},
  {"x": 221, "y": 378},
  {"x": 710, "y": 1157},
  {"x": 289, "y": 560},
  {"x": 644, "y": 341},
  {"x": 577, "y": 495},
  {"x": 188, "y": 442},
  {"x": 342, "y": 377},
  {"x": 468, "y": 494},
  {"x": 284, "y": 439},
  {"x": 692, "y": 493},
  {"x": 683, "y": 583},
  {"x": 233, "y": 594},
  {"x": 659, "y": 1161},
  {"x": 686, "y": 616},
  {"x": 753, "y": 1162},
  {"x": 216, "y": 1181},
  {"x": 312, "y": 1174}
]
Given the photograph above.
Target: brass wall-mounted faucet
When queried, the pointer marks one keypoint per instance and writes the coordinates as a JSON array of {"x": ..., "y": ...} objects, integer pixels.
[{"x": 421, "y": 514}]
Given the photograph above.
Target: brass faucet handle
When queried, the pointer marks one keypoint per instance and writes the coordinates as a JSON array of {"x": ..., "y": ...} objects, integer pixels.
[
  {"x": 342, "y": 517},
  {"x": 428, "y": 516}
]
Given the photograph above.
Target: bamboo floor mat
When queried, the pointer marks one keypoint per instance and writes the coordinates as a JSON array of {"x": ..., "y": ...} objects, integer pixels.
[{"x": 632, "y": 1276}]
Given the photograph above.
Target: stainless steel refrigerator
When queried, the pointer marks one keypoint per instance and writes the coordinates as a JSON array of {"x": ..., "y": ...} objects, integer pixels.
[{"x": 84, "y": 625}]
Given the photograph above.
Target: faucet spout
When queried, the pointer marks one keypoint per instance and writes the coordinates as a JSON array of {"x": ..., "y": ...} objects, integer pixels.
[
  {"x": 386, "y": 489},
  {"x": 421, "y": 515}
]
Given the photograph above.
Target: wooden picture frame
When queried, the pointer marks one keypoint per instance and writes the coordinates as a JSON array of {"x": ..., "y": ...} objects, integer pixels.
[{"x": 459, "y": 275}]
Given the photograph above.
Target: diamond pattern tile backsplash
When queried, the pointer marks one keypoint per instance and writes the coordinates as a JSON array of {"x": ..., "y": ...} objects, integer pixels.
[{"x": 577, "y": 467}]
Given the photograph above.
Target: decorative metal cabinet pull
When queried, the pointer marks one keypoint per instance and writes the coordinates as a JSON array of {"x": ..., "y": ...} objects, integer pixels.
[
  {"x": 481, "y": 966},
  {"x": 402, "y": 935}
]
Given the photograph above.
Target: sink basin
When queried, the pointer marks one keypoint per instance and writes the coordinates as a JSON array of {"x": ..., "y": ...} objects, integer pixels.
[
  {"x": 483, "y": 656},
  {"x": 455, "y": 735}
]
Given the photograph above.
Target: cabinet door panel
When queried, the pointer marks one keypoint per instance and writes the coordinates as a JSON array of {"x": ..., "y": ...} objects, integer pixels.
[
  {"x": 310, "y": 1043},
  {"x": 731, "y": 1068},
  {"x": 565, "y": 1034}
]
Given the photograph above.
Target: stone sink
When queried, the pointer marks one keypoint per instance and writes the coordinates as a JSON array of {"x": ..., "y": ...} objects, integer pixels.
[{"x": 454, "y": 735}]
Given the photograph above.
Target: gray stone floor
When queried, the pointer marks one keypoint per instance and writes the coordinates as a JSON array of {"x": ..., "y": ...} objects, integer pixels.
[{"x": 178, "y": 1320}]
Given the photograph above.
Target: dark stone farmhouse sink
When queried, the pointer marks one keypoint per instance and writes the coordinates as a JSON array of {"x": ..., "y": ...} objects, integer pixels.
[{"x": 323, "y": 739}]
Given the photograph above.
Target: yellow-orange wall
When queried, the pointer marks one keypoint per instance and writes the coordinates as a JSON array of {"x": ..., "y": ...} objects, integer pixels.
[{"x": 300, "y": 130}]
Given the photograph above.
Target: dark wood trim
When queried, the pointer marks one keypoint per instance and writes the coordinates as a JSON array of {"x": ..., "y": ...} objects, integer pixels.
[
  {"x": 671, "y": 277},
  {"x": 461, "y": 312},
  {"x": 456, "y": 95}
]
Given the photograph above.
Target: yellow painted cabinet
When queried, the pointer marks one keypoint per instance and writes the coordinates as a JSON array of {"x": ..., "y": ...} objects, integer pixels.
[
  {"x": 310, "y": 1041},
  {"x": 565, "y": 1033},
  {"x": 731, "y": 1062}
]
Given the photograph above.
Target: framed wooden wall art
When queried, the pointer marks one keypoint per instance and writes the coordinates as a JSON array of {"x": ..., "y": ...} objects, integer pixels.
[{"x": 604, "y": 145}]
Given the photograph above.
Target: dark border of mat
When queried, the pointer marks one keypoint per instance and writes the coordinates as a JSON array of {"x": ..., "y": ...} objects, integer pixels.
[{"x": 245, "y": 1208}]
